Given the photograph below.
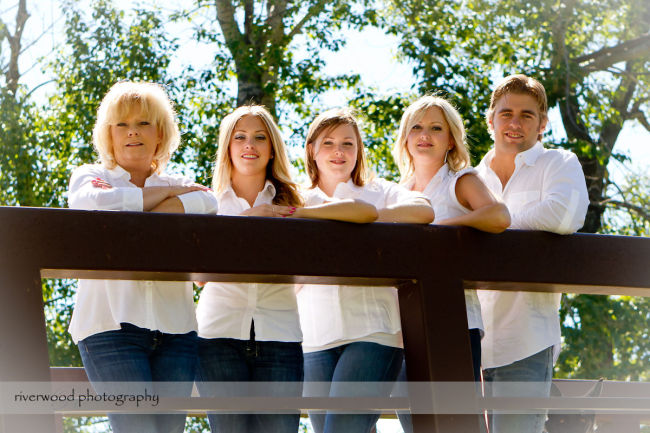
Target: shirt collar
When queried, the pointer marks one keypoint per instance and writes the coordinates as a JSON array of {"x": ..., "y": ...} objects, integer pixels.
[
  {"x": 529, "y": 157},
  {"x": 118, "y": 172},
  {"x": 268, "y": 191},
  {"x": 442, "y": 173},
  {"x": 343, "y": 190}
]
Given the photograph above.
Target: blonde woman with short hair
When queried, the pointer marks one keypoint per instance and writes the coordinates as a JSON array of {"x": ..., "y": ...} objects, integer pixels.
[{"x": 137, "y": 331}]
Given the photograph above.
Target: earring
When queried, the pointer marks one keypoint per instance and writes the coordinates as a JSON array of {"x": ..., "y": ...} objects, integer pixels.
[{"x": 446, "y": 153}]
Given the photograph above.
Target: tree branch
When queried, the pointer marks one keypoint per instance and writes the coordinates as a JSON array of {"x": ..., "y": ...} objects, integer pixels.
[
  {"x": 13, "y": 74},
  {"x": 608, "y": 56},
  {"x": 641, "y": 117},
  {"x": 313, "y": 10},
  {"x": 229, "y": 28},
  {"x": 642, "y": 212},
  {"x": 249, "y": 18},
  {"x": 276, "y": 11}
]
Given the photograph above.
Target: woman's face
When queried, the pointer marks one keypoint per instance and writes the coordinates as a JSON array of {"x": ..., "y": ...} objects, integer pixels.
[
  {"x": 335, "y": 153},
  {"x": 429, "y": 139},
  {"x": 135, "y": 140},
  {"x": 250, "y": 146}
]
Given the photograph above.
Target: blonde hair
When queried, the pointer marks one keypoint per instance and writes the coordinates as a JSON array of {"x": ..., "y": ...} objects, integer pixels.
[
  {"x": 149, "y": 100},
  {"x": 523, "y": 85},
  {"x": 457, "y": 157},
  {"x": 328, "y": 121},
  {"x": 277, "y": 170}
]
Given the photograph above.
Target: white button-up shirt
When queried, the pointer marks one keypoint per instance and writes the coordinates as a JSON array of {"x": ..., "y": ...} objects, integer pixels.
[
  {"x": 441, "y": 192},
  {"x": 101, "y": 305},
  {"x": 547, "y": 191},
  {"x": 226, "y": 310},
  {"x": 333, "y": 315}
]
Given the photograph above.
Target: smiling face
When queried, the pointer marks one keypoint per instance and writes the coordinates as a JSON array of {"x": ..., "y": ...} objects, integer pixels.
[
  {"x": 335, "y": 153},
  {"x": 429, "y": 139},
  {"x": 135, "y": 140},
  {"x": 516, "y": 122},
  {"x": 250, "y": 146}
]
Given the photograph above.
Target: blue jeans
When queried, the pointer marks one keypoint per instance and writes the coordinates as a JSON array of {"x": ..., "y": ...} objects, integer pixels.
[
  {"x": 354, "y": 362},
  {"x": 231, "y": 360},
  {"x": 537, "y": 369},
  {"x": 475, "y": 345},
  {"x": 133, "y": 354}
]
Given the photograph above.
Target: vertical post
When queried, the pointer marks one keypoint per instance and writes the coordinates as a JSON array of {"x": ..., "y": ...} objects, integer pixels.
[
  {"x": 436, "y": 343},
  {"x": 23, "y": 341}
]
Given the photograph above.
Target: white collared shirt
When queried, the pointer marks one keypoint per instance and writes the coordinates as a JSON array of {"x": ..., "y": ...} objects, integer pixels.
[
  {"x": 441, "y": 192},
  {"x": 226, "y": 310},
  {"x": 333, "y": 315},
  {"x": 101, "y": 305},
  {"x": 547, "y": 191}
]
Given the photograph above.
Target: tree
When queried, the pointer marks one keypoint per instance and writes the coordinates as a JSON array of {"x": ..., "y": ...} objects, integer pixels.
[{"x": 263, "y": 39}]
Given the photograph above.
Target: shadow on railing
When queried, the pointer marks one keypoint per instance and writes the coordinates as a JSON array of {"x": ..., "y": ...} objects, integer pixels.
[{"x": 431, "y": 265}]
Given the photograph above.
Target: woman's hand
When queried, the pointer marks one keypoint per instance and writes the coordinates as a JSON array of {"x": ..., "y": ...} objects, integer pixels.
[
  {"x": 101, "y": 183},
  {"x": 270, "y": 210},
  {"x": 173, "y": 191}
]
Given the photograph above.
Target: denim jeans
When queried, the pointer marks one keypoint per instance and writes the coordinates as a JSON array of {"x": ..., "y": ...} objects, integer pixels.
[
  {"x": 237, "y": 361},
  {"x": 133, "y": 354},
  {"x": 537, "y": 369},
  {"x": 354, "y": 362},
  {"x": 475, "y": 344}
]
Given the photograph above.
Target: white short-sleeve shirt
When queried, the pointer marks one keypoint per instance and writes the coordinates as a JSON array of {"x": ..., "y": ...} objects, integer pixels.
[
  {"x": 441, "y": 192},
  {"x": 226, "y": 310},
  {"x": 333, "y": 315},
  {"x": 547, "y": 191},
  {"x": 101, "y": 305}
]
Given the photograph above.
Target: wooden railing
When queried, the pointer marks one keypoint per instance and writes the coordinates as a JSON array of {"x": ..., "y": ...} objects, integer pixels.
[{"x": 431, "y": 265}]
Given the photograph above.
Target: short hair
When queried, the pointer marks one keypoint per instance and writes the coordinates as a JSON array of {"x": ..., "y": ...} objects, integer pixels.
[
  {"x": 149, "y": 100},
  {"x": 277, "y": 170},
  {"x": 326, "y": 122},
  {"x": 457, "y": 158},
  {"x": 520, "y": 84}
]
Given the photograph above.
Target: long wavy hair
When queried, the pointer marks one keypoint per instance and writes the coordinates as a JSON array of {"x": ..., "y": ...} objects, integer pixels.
[{"x": 278, "y": 168}]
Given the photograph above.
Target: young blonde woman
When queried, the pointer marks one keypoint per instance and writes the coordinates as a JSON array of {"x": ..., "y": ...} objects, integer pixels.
[
  {"x": 351, "y": 333},
  {"x": 136, "y": 331},
  {"x": 251, "y": 332},
  {"x": 432, "y": 156}
]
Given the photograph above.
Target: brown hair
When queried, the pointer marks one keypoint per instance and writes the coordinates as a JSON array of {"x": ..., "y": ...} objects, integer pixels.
[
  {"x": 521, "y": 84},
  {"x": 328, "y": 121}
]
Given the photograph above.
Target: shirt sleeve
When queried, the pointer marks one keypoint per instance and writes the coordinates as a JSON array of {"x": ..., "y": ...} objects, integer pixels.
[
  {"x": 564, "y": 199},
  {"x": 197, "y": 202},
  {"x": 397, "y": 194},
  {"x": 83, "y": 195},
  {"x": 201, "y": 202}
]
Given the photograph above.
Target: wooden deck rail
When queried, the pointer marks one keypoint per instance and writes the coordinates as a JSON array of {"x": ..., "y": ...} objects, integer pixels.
[{"x": 429, "y": 264}]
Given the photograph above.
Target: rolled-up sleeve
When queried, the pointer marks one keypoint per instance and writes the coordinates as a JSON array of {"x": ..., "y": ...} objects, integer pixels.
[
  {"x": 564, "y": 199},
  {"x": 200, "y": 202},
  {"x": 83, "y": 195}
]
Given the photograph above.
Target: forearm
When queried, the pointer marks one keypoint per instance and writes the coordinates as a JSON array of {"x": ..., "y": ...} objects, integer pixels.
[
  {"x": 355, "y": 211},
  {"x": 493, "y": 218},
  {"x": 169, "y": 205},
  {"x": 418, "y": 213},
  {"x": 152, "y": 196}
]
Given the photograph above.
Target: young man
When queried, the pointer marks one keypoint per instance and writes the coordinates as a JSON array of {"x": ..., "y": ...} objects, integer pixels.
[{"x": 544, "y": 189}]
